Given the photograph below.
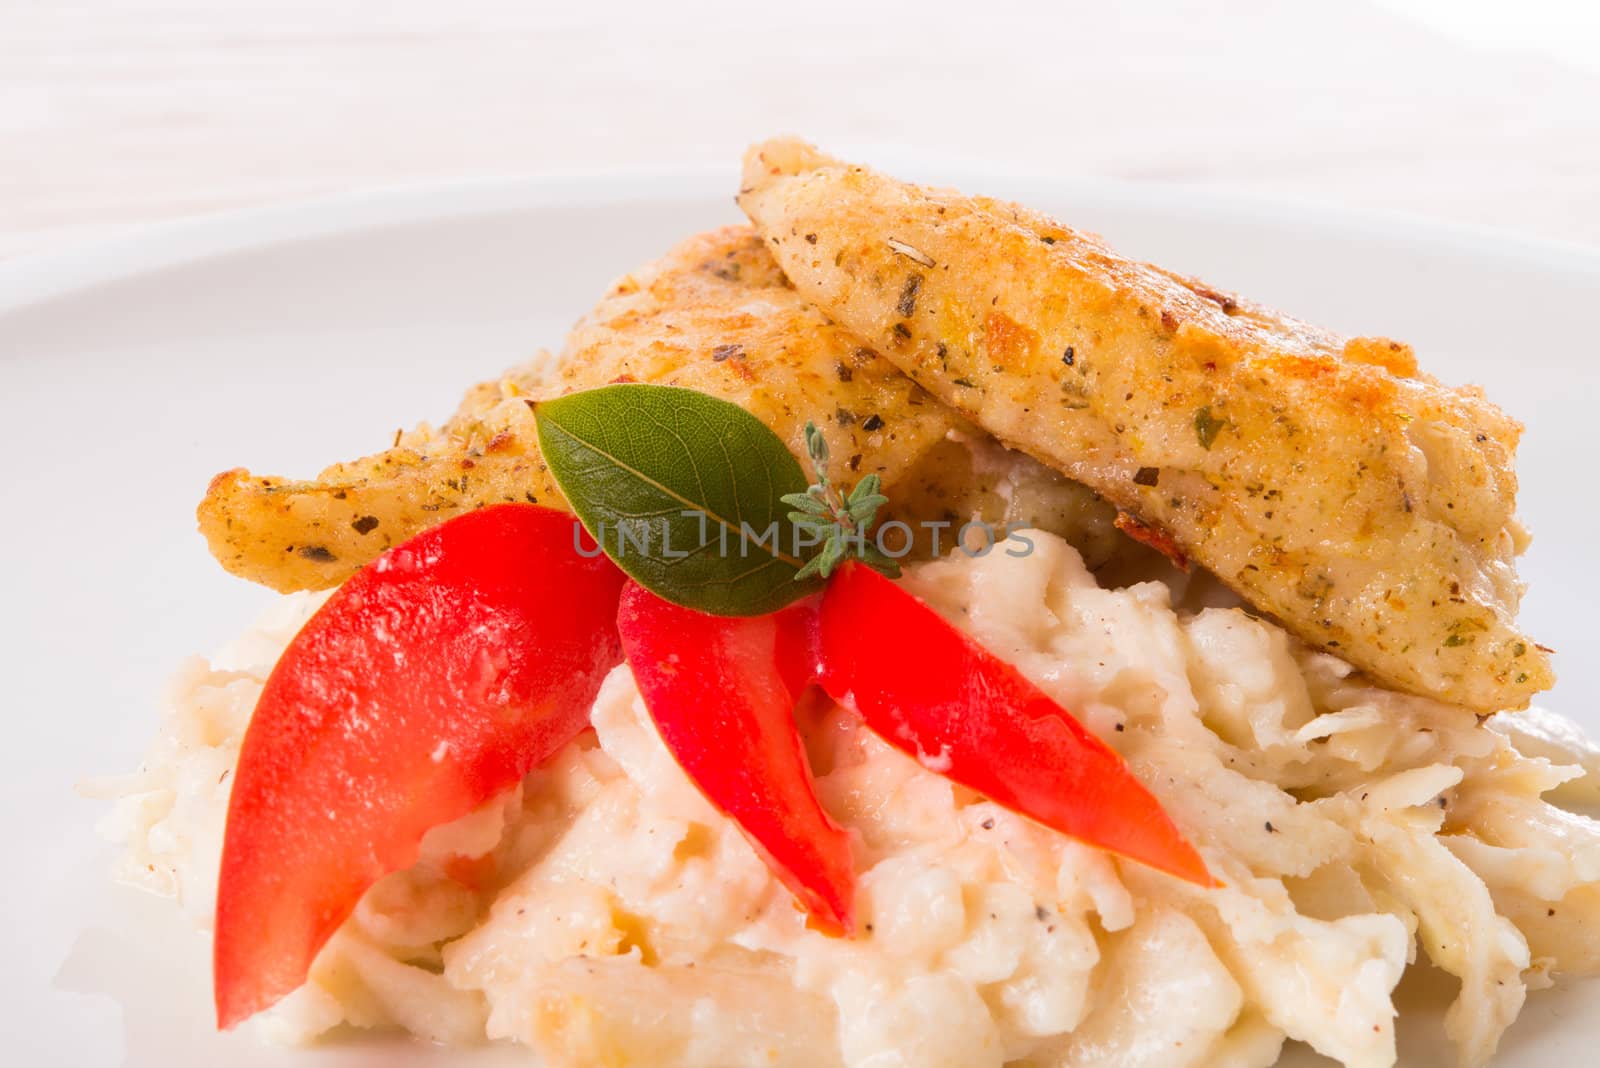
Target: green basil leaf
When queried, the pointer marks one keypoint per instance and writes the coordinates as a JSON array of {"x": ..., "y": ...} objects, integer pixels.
[{"x": 632, "y": 459}]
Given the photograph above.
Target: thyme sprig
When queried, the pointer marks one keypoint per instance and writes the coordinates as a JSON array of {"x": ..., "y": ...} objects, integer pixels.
[{"x": 843, "y": 519}]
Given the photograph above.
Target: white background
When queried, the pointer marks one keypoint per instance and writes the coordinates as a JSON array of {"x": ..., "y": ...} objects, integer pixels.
[{"x": 120, "y": 112}]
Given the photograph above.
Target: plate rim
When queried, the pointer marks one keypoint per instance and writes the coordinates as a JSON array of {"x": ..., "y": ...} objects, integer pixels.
[{"x": 40, "y": 277}]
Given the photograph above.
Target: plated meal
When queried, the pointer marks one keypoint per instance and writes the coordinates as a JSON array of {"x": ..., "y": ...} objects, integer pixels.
[{"x": 897, "y": 631}]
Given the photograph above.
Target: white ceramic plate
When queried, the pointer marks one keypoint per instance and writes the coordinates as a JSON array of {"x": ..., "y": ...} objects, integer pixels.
[{"x": 284, "y": 339}]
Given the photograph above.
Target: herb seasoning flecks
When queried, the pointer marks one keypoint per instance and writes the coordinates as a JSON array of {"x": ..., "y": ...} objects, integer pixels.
[
  {"x": 907, "y": 306},
  {"x": 1207, "y": 426}
]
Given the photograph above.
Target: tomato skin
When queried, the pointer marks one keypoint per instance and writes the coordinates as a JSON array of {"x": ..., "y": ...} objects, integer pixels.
[
  {"x": 722, "y": 692},
  {"x": 929, "y": 689},
  {"x": 433, "y": 679}
]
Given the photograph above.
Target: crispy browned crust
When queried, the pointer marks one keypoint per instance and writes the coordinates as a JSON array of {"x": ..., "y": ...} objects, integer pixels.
[
  {"x": 715, "y": 314},
  {"x": 1368, "y": 507},
  {"x": 312, "y": 534}
]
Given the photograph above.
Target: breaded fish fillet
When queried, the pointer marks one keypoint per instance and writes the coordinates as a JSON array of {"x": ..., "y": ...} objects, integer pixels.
[
  {"x": 1365, "y": 505},
  {"x": 717, "y": 315}
]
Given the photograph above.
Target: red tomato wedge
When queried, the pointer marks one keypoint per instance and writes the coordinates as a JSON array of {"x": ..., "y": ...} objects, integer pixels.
[
  {"x": 722, "y": 693},
  {"x": 435, "y": 678},
  {"x": 932, "y": 691}
]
